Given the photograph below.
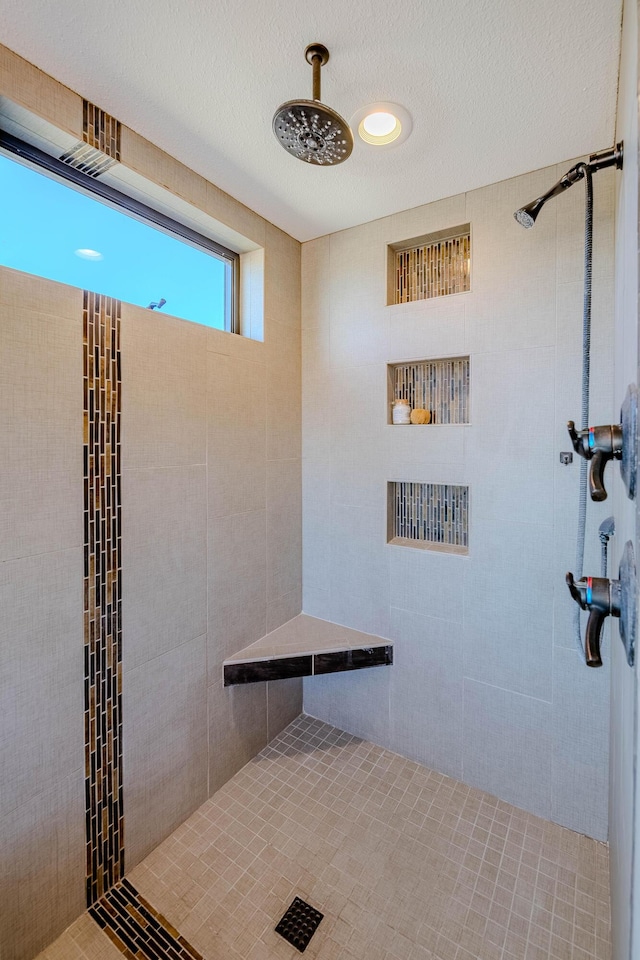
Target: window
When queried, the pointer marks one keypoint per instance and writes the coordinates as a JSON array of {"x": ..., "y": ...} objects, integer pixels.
[{"x": 57, "y": 222}]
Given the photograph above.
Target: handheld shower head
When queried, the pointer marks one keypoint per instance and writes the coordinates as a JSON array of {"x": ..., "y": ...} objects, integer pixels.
[{"x": 526, "y": 216}]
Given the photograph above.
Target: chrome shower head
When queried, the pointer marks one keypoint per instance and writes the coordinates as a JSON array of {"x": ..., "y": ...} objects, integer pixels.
[
  {"x": 526, "y": 216},
  {"x": 308, "y": 129}
]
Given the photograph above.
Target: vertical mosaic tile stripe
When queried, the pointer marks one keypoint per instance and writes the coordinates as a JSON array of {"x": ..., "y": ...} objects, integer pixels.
[
  {"x": 139, "y": 931},
  {"x": 435, "y": 269},
  {"x": 440, "y": 386},
  {"x": 102, "y": 595},
  {"x": 101, "y": 130},
  {"x": 100, "y": 147},
  {"x": 431, "y": 514}
]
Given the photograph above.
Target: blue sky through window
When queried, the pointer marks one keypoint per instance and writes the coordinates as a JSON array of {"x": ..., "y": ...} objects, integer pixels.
[{"x": 44, "y": 223}]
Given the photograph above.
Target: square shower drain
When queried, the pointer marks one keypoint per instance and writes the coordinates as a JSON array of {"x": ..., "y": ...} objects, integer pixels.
[{"x": 299, "y": 924}]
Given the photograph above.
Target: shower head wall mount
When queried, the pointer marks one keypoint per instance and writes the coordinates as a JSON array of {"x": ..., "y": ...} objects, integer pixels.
[
  {"x": 308, "y": 129},
  {"x": 526, "y": 216}
]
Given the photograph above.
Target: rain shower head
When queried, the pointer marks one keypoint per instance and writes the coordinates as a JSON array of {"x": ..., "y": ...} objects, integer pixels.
[
  {"x": 308, "y": 129},
  {"x": 526, "y": 216}
]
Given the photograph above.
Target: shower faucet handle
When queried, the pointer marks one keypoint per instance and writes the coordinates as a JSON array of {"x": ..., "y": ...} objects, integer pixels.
[
  {"x": 599, "y": 445},
  {"x": 602, "y": 598}
]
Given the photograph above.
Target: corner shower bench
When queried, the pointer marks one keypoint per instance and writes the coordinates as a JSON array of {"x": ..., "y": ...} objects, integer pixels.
[{"x": 306, "y": 647}]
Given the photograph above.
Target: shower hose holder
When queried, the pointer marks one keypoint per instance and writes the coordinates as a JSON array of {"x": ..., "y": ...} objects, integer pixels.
[
  {"x": 604, "y": 598},
  {"x": 611, "y": 442}
]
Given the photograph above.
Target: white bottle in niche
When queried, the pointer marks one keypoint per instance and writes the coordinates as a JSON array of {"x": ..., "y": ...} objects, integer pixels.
[{"x": 401, "y": 412}]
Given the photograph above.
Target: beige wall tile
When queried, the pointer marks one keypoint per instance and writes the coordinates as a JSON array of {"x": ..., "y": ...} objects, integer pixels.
[
  {"x": 426, "y": 685},
  {"x": 236, "y": 412},
  {"x": 521, "y": 325},
  {"x": 283, "y": 342},
  {"x": 284, "y": 608},
  {"x": 282, "y": 277},
  {"x": 235, "y": 215},
  {"x": 237, "y": 728},
  {"x": 235, "y": 485},
  {"x": 41, "y": 635},
  {"x": 581, "y": 748},
  {"x": 164, "y": 375},
  {"x": 284, "y": 528},
  {"x": 198, "y": 424},
  {"x": 37, "y": 295},
  {"x": 508, "y": 744},
  {"x": 237, "y": 586},
  {"x": 233, "y": 345},
  {"x": 164, "y": 560},
  {"x": 42, "y": 867},
  {"x": 25, "y": 84},
  {"x": 153, "y": 163},
  {"x": 284, "y": 418},
  {"x": 284, "y": 703},
  {"x": 165, "y": 744},
  {"x": 314, "y": 266},
  {"x": 40, "y": 418},
  {"x": 81, "y": 940}
]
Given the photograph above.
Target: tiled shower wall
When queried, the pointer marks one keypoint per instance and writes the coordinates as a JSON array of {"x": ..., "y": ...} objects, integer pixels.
[
  {"x": 211, "y": 547},
  {"x": 624, "y": 834},
  {"x": 487, "y": 685}
]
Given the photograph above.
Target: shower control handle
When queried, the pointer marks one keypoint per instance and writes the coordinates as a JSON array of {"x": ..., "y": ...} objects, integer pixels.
[
  {"x": 602, "y": 598},
  {"x": 599, "y": 445}
]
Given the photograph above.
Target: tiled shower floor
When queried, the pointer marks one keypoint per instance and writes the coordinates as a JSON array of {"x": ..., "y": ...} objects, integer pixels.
[{"x": 403, "y": 862}]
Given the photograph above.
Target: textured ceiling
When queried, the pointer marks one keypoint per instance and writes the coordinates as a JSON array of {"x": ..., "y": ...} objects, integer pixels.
[{"x": 495, "y": 88}]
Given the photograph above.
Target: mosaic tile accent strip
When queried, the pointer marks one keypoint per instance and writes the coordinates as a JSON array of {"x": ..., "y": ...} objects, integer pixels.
[
  {"x": 343, "y": 660},
  {"x": 431, "y": 515},
  {"x": 439, "y": 386},
  {"x": 282, "y": 668},
  {"x": 102, "y": 595},
  {"x": 139, "y": 931},
  {"x": 101, "y": 130},
  {"x": 100, "y": 147},
  {"x": 433, "y": 269}
]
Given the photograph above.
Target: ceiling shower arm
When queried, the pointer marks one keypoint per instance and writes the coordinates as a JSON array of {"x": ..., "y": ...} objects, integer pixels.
[
  {"x": 317, "y": 55},
  {"x": 317, "y": 66}
]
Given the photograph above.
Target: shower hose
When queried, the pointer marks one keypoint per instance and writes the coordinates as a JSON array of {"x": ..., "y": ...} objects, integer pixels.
[{"x": 586, "y": 358}]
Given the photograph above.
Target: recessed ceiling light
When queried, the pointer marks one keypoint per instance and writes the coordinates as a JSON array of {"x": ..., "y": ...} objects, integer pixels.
[
  {"x": 86, "y": 254},
  {"x": 382, "y": 124}
]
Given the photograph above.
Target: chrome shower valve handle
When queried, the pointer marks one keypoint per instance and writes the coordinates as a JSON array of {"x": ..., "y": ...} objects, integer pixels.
[
  {"x": 599, "y": 445},
  {"x": 602, "y": 598}
]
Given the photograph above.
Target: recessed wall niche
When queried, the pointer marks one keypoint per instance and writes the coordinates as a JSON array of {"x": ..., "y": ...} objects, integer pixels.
[
  {"x": 439, "y": 386},
  {"x": 430, "y": 516},
  {"x": 434, "y": 265}
]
